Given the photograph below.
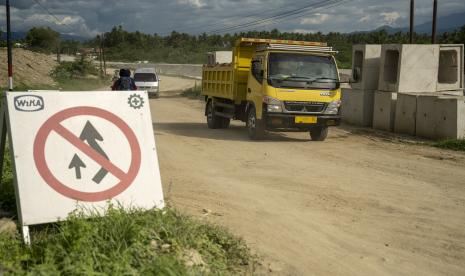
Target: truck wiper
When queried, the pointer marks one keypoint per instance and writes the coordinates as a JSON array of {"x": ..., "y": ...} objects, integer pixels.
[
  {"x": 323, "y": 78},
  {"x": 298, "y": 77}
]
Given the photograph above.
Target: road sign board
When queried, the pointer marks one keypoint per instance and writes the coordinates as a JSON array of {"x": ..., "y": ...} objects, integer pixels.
[{"x": 81, "y": 149}]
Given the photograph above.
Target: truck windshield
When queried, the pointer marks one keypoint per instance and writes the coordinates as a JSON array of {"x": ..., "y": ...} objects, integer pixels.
[
  {"x": 146, "y": 77},
  {"x": 302, "y": 71}
]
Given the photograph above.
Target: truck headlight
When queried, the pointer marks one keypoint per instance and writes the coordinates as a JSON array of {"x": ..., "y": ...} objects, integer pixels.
[
  {"x": 273, "y": 105},
  {"x": 333, "y": 107}
]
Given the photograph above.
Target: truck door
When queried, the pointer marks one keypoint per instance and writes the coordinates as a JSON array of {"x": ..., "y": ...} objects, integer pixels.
[{"x": 255, "y": 84}]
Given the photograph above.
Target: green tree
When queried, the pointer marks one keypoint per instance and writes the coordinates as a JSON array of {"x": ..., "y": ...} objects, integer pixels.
[{"x": 43, "y": 39}]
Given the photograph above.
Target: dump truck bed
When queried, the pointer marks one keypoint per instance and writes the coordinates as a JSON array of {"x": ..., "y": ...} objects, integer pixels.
[{"x": 229, "y": 81}]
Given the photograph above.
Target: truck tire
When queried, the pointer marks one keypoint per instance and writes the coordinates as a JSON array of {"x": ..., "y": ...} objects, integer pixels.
[
  {"x": 225, "y": 122},
  {"x": 213, "y": 121},
  {"x": 319, "y": 133},
  {"x": 255, "y": 127}
]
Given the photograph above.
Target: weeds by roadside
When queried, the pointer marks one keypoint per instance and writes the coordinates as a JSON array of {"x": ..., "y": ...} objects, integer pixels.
[
  {"x": 78, "y": 76},
  {"x": 87, "y": 84},
  {"x": 7, "y": 192},
  {"x": 132, "y": 242},
  {"x": 193, "y": 92},
  {"x": 457, "y": 145},
  {"x": 129, "y": 242}
]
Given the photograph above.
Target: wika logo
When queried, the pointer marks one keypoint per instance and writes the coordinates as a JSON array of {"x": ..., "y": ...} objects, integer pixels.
[{"x": 29, "y": 103}]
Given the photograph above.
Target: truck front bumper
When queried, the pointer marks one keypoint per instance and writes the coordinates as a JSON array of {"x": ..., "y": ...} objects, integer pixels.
[{"x": 279, "y": 121}]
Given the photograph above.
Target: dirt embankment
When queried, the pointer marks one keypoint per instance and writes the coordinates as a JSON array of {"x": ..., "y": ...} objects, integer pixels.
[{"x": 29, "y": 68}]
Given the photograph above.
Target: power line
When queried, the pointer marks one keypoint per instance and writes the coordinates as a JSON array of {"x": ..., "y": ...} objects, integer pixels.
[
  {"x": 313, "y": 6},
  {"x": 58, "y": 21},
  {"x": 272, "y": 19},
  {"x": 329, "y": 5},
  {"x": 225, "y": 20}
]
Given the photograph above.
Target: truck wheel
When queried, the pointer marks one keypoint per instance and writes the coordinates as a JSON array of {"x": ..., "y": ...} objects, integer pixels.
[
  {"x": 213, "y": 121},
  {"x": 255, "y": 127},
  {"x": 319, "y": 133},
  {"x": 225, "y": 122}
]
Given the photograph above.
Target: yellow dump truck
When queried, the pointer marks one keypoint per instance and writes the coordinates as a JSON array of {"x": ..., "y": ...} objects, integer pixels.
[{"x": 274, "y": 85}]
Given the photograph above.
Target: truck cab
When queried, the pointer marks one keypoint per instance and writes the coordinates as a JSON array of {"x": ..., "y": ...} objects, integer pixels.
[{"x": 277, "y": 85}]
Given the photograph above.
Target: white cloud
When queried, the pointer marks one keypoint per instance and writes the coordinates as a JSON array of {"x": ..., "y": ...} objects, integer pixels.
[
  {"x": 195, "y": 3},
  {"x": 316, "y": 18},
  {"x": 390, "y": 18},
  {"x": 365, "y": 18},
  {"x": 87, "y": 17},
  {"x": 304, "y": 31}
]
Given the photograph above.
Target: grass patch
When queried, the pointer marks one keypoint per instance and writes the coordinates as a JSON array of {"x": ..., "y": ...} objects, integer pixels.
[
  {"x": 7, "y": 192},
  {"x": 457, "y": 145},
  {"x": 80, "y": 75},
  {"x": 123, "y": 242},
  {"x": 131, "y": 242},
  {"x": 83, "y": 84},
  {"x": 77, "y": 84}
]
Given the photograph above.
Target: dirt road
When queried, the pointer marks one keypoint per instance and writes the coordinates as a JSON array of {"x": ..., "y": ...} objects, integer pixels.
[{"x": 356, "y": 204}]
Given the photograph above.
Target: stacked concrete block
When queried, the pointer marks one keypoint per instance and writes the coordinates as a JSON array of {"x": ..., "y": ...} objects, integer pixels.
[
  {"x": 357, "y": 107},
  {"x": 419, "y": 74},
  {"x": 451, "y": 67},
  {"x": 403, "y": 69},
  {"x": 357, "y": 103}
]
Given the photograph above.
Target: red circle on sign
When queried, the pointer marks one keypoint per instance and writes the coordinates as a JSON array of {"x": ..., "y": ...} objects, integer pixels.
[{"x": 53, "y": 124}]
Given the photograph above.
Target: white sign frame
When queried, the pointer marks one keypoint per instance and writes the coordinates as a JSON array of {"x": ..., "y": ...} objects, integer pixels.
[{"x": 127, "y": 177}]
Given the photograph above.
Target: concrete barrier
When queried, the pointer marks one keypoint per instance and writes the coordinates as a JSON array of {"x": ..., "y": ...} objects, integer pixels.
[
  {"x": 426, "y": 115},
  {"x": 357, "y": 107},
  {"x": 440, "y": 116},
  {"x": 450, "y": 117},
  {"x": 384, "y": 110},
  {"x": 406, "y": 113}
]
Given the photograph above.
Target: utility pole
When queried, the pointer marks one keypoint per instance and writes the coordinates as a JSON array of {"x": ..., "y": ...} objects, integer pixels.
[
  {"x": 435, "y": 18},
  {"x": 8, "y": 42},
  {"x": 3, "y": 127},
  {"x": 58, "y": 52},
  {"x": 100, "y": 55},
  {"x": 412, "y": 19},
  {"x": 103, "y": 56}
]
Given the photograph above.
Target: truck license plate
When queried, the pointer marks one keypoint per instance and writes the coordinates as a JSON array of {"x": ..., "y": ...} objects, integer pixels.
[{"x": 305, "y": 120}]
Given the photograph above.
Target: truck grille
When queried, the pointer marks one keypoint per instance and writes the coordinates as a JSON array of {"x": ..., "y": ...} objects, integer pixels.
[{"x": 305, "y": 107}]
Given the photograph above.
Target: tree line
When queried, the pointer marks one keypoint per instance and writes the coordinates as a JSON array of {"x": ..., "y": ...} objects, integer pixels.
[{"x": 122, "y": 45}]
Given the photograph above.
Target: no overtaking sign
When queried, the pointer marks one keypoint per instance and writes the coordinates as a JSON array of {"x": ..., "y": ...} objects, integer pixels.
[{"x": 81, "y": 149}]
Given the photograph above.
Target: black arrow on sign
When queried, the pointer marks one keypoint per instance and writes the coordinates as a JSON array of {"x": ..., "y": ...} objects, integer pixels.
[
  {"x": 91, "y": 136},
  {"x": 77, "y": 164}
]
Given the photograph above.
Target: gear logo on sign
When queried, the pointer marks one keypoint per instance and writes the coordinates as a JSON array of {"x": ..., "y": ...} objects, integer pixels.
[{"x": 135, "y": 101}]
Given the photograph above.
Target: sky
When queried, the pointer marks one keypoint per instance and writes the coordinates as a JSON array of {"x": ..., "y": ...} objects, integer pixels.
[{"x": 88, "y": 18}]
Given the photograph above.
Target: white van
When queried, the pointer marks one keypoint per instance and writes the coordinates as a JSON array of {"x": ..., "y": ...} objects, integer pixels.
[{"x": 147, "y": 79}]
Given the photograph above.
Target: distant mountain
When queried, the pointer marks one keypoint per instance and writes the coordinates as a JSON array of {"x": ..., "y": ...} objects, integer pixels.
[
  {"x": 22, "y": 35},
  {"x": 445, "y": 24}
]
